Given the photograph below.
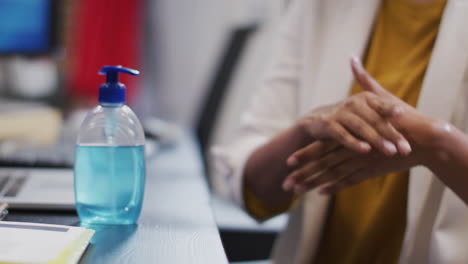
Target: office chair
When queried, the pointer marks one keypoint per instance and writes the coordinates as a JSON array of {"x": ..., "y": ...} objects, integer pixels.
[
  {"x": 242, "y": 238},
  {"x": 220, "y": 84}
]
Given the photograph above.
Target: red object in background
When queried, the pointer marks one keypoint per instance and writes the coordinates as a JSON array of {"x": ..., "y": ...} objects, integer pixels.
[{"x": 104, "y": 32}]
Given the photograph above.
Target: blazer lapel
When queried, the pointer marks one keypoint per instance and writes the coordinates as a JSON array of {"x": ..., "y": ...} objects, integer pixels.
[
  {"x": 443, "y": 80},
  {"x": 327, "y": 79},
  {"x": 327, "y": 73}
]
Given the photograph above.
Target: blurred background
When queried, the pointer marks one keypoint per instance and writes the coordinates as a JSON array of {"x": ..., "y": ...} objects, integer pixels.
[{"x": 200, "y": 60}]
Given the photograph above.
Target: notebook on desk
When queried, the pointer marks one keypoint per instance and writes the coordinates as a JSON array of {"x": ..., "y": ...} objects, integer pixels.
[{"x": 40, "y": 243}]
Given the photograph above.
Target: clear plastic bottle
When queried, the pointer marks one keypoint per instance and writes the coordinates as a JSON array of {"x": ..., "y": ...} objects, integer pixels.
[{"x": 109, "y": 158}]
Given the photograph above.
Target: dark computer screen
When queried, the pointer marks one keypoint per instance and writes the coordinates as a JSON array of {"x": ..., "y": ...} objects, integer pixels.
[{"x": 26, "y": 26}]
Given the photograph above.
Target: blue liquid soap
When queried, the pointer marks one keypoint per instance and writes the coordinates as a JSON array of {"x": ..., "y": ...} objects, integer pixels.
[
  {"x": 109, "y": 183},
  {"x": 109, "y": 157}
]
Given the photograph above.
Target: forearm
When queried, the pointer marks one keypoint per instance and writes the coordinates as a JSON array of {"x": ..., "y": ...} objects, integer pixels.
[
  {"x": 266, "y": 168},
  {"x": 450, "y": 159}
]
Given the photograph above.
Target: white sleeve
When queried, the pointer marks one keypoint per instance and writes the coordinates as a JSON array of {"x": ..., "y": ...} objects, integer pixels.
[{"x": 272, "y": 110}]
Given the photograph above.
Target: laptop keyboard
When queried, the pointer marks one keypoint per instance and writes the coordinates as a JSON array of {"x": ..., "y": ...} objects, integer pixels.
[
  {"x": 11, "y": 184},
  {"x": 55, "y": 156},
  {"x": 15, "y": 187},
  {"x": 58, "y": 155},
  {"x": 3, "y": 182}
]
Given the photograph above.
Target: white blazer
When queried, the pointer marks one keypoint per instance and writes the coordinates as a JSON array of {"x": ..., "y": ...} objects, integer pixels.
[{"x": 310, "y": 69}]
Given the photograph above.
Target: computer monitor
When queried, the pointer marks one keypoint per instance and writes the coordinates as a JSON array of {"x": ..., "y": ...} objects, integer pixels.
[{"x": 28, "y": 27}]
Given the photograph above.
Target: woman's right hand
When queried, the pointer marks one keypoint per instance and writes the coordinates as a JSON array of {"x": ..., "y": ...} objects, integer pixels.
[{"x": 354, "y": 124}]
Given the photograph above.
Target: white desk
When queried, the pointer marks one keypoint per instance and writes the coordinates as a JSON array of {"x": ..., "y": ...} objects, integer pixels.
[{"x": 176, "y": 224}]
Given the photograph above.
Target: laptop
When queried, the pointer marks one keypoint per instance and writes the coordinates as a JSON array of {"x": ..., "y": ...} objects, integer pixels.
[
  {"x": 42, "y": 178},
  {"x": 37, "y": 188},
  {"x": 38, "y": 177}
]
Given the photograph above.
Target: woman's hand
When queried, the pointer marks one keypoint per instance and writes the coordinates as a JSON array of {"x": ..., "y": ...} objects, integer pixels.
[
  {"x": 338, "y": 167},
  {"x": 416, "y": 127},
  {"x": 355, "y": 124},
  {"x": 334, "y": 168}
]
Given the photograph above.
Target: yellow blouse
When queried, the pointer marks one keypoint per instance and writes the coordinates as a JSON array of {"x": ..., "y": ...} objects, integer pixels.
[{"x": 367, "y": 222}]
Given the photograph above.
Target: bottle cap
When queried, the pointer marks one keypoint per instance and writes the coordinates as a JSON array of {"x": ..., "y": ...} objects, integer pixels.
[{"x": 112, "y": 91}]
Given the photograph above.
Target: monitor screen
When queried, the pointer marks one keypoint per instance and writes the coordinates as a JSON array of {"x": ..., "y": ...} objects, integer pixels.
[{"x": 26, "y": 26}]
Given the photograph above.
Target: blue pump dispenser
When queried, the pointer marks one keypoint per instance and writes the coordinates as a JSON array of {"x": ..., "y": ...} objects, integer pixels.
[
  {"x": 112, "y": 91},
  {"x": 109, "y": 158}
]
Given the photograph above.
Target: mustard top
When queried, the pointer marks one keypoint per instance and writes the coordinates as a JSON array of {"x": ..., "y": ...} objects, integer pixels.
[{"x": 367, "y": 222}]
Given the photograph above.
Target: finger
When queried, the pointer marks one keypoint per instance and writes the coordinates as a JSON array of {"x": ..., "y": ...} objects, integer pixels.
[
  {"x": 337, "y": 132},
  {"x": 385, "y": 108},
  {"x": 365, "y": 80},
  {"x": 353, "y": 179},
  {"x": 311, "y": 152},
  {"x": 313, "y": 168},
  {"x": 299, "y": 175},
  {"x": 384, "y": 128},
  {"x": 363, "y": 130},
  {"x": 333, "y": 175}
]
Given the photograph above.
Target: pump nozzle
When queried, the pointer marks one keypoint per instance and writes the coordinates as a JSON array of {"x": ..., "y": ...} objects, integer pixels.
[{"x": 112, "y": 91}]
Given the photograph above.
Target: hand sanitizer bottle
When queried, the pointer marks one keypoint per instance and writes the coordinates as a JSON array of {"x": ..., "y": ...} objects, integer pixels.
[{"x": 109, "y": 158}]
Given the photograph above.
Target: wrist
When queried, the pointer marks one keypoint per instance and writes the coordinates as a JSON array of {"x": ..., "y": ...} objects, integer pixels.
[{"x": 436, "y": 145}]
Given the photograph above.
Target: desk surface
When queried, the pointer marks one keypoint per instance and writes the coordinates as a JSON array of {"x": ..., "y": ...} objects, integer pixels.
[{"x": 176, "y": 224}]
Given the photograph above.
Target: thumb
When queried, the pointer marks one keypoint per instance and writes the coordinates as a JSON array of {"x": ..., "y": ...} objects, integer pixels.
[{"x": 365, "y": 80}]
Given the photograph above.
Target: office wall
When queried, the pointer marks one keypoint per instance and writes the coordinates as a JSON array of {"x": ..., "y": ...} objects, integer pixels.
[{"x": 185, "y": 38}]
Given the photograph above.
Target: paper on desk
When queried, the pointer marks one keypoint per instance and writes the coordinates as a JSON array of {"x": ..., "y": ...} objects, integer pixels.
[{"x": 38, "y": 243}]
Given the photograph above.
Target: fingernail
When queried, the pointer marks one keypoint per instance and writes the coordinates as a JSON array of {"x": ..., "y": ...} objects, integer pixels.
[
  {"x": 357, "y": 62},
  {"x": 404, "y": 147},
  {"x": 288, "y": 184},
  {"x": 389, "y": 147},
  {"x": 292, "y": 161},
  {"x": 365, "y": 146}
]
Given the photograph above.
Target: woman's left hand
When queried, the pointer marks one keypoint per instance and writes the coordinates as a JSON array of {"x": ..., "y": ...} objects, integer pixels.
[
  {"x": 342, "y": 167},
  {"x": 336, "y": 167}
]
